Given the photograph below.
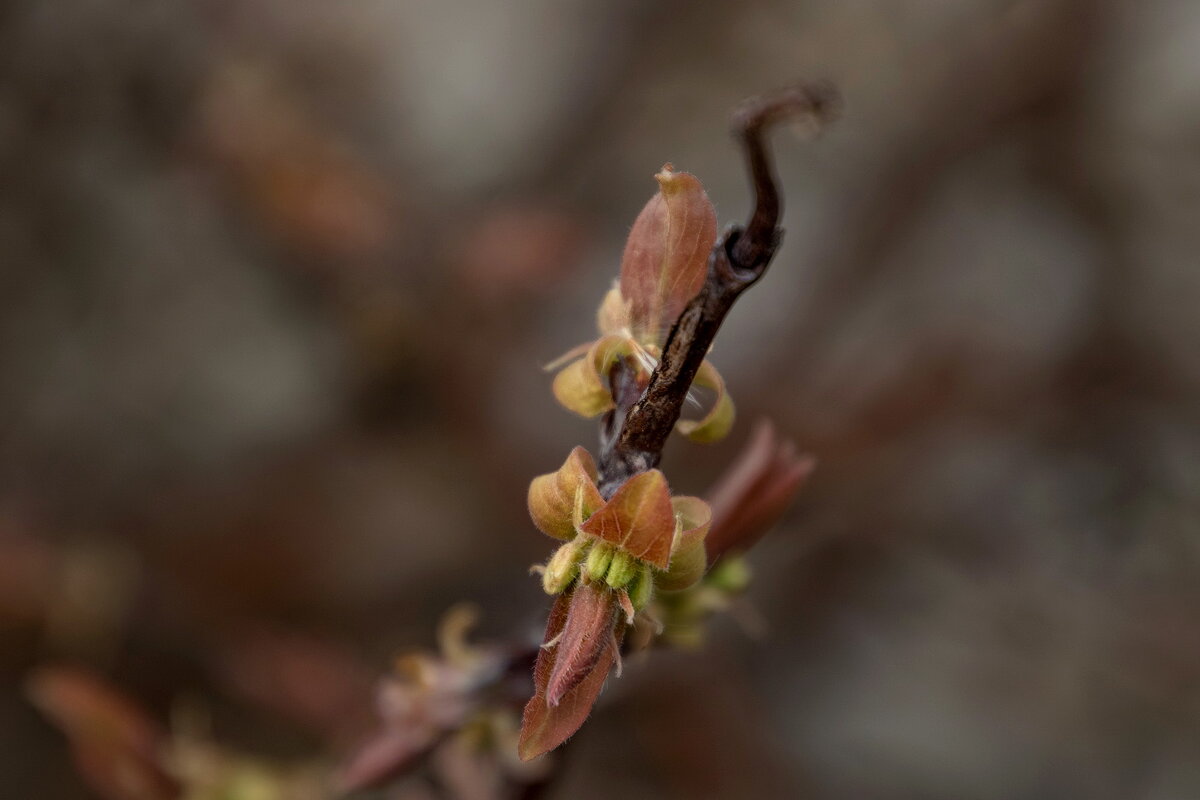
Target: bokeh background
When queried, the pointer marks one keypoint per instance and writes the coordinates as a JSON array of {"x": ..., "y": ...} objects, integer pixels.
[{"x": 277, "y": 277}]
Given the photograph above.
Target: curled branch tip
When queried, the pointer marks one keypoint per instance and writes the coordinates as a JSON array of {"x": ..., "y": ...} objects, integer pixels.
[{"x": 817, "y": 102}]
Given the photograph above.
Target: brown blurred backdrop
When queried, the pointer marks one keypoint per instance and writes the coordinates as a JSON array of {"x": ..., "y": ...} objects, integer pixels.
[{"x": 277, "y": 277}]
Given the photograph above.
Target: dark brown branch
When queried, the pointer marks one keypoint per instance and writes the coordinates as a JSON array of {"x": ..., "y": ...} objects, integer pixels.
[{"x": 634, "y": 433}]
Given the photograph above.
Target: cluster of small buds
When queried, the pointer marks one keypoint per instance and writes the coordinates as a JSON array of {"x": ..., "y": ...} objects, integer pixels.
[
  {"x": 639, "y": 541},
  {"x": 599, "y": 562}
]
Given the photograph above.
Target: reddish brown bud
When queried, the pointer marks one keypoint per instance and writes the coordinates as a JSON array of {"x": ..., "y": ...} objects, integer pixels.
[{"x": 666, "y": 255}]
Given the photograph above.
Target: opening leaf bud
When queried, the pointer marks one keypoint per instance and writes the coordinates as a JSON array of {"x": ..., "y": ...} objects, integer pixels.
[{"x": 666, "y": 256}]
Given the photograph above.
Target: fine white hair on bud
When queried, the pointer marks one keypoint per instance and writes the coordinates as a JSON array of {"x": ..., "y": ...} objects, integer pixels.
[
  {"x": 563, "y": 567},
  {"x": 622, "y": 570},
  {"x": 641, "y": 589},
  {"x": 599, "y": 559}
]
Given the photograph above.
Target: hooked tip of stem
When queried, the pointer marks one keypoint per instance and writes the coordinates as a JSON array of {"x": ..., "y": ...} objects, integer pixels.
[{"x": 816, "y": 100}]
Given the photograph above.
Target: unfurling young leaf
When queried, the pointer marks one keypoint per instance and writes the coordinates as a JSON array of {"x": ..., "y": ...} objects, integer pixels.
[
  {"x": 580, "y": 387},
  {"x": 552, "y": 496},
  {"x": 755, "y": 491},
  {"x": 544, "y": 727},
  {"x": 688, "y": 559},
  {"x": 714, "y": 425},
  {"x": 591, "y": 620},
  {"x": 613, "y": 316},
  {"x": 664, "y": 266}
]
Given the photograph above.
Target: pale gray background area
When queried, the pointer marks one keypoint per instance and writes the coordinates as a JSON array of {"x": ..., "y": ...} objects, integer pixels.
[{"x": 276, "y": 279}]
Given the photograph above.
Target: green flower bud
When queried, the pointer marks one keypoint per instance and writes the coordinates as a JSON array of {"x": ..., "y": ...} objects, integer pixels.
[
  {"x": 642, "y": 588},
  {"x": 622, "y": 570},
  {"x": 563, "y": 567},
  {"x": 598, "y": 560}
]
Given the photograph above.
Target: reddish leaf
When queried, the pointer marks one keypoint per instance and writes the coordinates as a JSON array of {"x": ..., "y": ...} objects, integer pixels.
[
  {"x": 545, "y": 727},
  {"x": 755, "y": 491},
  {"x": 591, "y": 618},
  {"x": 666, "y": 256},
  {"x": 638, "y": 518},
  {"x": 116, "y": 746}
]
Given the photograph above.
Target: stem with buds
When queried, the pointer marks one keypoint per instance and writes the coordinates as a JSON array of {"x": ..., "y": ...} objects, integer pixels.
[{"x": 634, "y": 433}]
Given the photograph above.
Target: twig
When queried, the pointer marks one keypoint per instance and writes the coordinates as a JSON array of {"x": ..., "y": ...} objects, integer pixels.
[{"x": 634, "y": 433}]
